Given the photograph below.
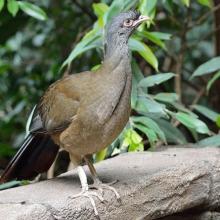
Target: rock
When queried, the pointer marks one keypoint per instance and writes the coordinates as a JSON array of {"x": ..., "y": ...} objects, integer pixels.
[{"x": 176, "y": 184}]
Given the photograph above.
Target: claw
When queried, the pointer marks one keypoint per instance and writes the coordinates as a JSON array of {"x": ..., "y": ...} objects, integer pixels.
[
  {"x": 88, "y": 194},
  {"x": 100, "y": 186},
  {"x": 96, "y": 185}
]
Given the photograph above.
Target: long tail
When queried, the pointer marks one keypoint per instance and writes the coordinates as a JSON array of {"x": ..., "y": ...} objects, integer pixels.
[{"x": 35, "y": 156}]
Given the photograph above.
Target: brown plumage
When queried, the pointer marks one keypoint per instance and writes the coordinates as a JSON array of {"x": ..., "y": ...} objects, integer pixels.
[{"x": 82, "y": 113}]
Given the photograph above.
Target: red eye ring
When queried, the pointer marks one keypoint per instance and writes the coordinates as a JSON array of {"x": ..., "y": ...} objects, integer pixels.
[{"x": 128, "y": 22}]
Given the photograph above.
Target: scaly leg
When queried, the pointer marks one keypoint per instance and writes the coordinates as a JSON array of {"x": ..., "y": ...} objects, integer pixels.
[
  {"x": 85, "y": 190},
  {"x": 98, "y": 183}
]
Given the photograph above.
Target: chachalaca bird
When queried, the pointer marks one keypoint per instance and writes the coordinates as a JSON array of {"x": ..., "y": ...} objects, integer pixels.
[{"x": 82, "y": 113}]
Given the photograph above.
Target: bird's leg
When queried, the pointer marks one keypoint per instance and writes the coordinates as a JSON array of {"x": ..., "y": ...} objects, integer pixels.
[
  {"x": 97, "y": 183},
  {"x": 85, "y": 189}
]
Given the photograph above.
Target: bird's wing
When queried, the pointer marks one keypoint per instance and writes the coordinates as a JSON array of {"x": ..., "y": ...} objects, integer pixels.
[{"x": 60, "y": 102}]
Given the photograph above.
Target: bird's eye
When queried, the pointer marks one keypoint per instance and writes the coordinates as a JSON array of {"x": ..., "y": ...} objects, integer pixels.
[{"x": 128, "y": 22}]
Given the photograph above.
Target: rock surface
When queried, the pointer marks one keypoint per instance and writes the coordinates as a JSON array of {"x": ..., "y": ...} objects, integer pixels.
[{"x": 176, "y": 184}]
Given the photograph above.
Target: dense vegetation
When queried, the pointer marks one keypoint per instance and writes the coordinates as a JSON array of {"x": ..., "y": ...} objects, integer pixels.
[{"x": 175, "y": 97}]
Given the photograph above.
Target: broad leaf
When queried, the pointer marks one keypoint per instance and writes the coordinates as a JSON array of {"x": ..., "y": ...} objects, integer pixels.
[
  {"x": 218, "y": 121},
  {"x": 192, "y": 123},
  {"x": 134, "y": 93},
  {"x": 173, "y": 134},
  {"x": 208, "y": 67},
  {"x": 182, "y": 108},
  {"x": 13, "y": 183},
  {"x": 213, "y": 141},
  {"x": 152, "y": 137},
  {"x": 186, "y": 2},
  {"x": 136, "y": 77},
  {"x": 146, "y": 105},
  {"x": 133, "y": 141},
  {"x": 161, "y": 35},
  {"x": 208, "y": 113},
  {"x": 212, "y": 80},
  {"x": 101, "y": 155},
  {"x": 144, "y": 51},
  {"x": 2, "y": 2},
  {"x": 166, "y": 97},
  {"x": 32, "y": 10},
  {"x": 153, "y": 38},
  {"x": 155, "y": 79},
  {"x": 205, "y": 3},
  {"x": 147, "y": 7},
  {"x": 148, "y": 122},
  {"x": 115, "y": 8},
  {"x": 90, "y": 41},
  {"x": 13, "y": 7},
  {"x": 100, "y": 9}
]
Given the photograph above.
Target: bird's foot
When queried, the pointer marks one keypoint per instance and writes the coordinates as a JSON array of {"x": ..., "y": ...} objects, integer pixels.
[
  {"x": 89, "y": 194},
  {"x": 99, "y": 185}
]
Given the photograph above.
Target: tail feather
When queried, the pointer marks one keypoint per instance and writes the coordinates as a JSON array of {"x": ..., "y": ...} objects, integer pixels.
[{"x": 35, "y": 156}]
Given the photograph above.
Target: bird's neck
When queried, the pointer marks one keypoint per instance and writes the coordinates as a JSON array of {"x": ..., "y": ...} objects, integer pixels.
[{"x": 116, "y": 52}]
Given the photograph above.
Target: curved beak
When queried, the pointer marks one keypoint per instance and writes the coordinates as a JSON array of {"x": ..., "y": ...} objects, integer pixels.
[{"x": 140, "y": 20}]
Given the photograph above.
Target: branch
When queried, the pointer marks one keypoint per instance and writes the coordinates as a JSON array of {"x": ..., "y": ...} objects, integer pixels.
[{"x": 204, "y": 17}]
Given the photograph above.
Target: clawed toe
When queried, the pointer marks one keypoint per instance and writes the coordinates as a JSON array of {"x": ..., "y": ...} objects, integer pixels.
[
  {"x": 89, "y": 194},
  {"x": 100, "y": 186}
]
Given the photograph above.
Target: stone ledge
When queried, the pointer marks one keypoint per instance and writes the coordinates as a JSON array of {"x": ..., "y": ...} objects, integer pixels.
[{"x": 152, "y": 185}]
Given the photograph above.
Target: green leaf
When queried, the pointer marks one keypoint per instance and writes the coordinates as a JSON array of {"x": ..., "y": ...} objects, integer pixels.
[
  {"x": 192, "y": 123},
  {"x": 115, "y": 8},
  {"x": 167, "y": 97},
  {"x": 218, "y": 121},
  {"x": 144, "y": 51},
  {"x": 134, "y": 93},
  {"x": 2, "y": 2},
  {"x": 100, "y": 9},
  {"x": 173, "y": 134},
  {"x": 150, "y": 36},
  {"x": 212, "y": 80},
  {"x": 32, "y": 10},
  {"x": 148, "y": 122},
  {"x": 208, "y": 67},
  {"x": 96, "y": 67},
  {"x": 213, "y": 141},
  {"x": 161, "y": 35},
  {"x": 138, "y": 75},
  {"x": 152, "y": 137},
  {"x": 205, "y": 3},
  {"x": 208, "y": 113},
  {"x": 146, "y": 105},
  {"x": 13, "y": 7},
  {"x": 133, "y": 141},
  {"x": 129, "y": 4},
  {"x": 10, "y": 184},
  {"x": 182, "y": 108},
  {"x": 90, "y": 41},
  {"x": 155, "y": 79},
  {"x": 186, "y": 2},
  {"x": 147, "y": 7},
  {"x": 101, "y": 155},
  {"x": 169, "y": 6}
]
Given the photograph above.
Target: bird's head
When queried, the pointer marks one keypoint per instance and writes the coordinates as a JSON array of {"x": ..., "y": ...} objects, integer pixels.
[{"x": 123, "y": 25}]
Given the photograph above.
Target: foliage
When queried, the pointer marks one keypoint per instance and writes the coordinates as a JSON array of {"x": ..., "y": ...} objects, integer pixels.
[
  {"x": 13, "y": 7},
  {"x": 170, "y": 55}
]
